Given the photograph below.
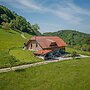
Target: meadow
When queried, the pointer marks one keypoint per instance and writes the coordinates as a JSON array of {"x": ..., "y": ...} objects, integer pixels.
[
  {"x": 24, "y": 55},
  {"x": 11, "y": 44},
  {"x": 63, "y": 75},
  {"x": 10, "y": 39}
]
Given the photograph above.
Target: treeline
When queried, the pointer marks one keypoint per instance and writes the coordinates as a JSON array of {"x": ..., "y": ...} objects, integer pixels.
[
  {"x": 73, "y": 38},
  {"x": 10, "y": 20}
]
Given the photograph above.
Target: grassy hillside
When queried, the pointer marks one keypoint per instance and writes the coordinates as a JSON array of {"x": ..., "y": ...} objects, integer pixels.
[
  {"x": 9, "y": 39},
  {"x": 73, "y": 38},
  {"x": 11, "y": 44},
  {"x": 65, "y": 75}
]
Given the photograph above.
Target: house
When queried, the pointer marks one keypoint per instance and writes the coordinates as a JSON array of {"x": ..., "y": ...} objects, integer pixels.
[{"x": 46, "y": 46}]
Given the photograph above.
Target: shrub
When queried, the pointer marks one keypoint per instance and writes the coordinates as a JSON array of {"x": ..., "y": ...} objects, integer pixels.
[{"x": 74, "y": 54}]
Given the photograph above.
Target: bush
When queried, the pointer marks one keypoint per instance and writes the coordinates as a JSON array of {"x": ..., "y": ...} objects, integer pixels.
[
  {"x": 73, "y": 54},
  {"x": 5, "y": 26}
]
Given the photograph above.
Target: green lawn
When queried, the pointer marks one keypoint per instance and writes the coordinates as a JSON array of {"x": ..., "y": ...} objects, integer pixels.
[
  {"x": 63, "y": 75},
  {"x": 24, "y": 55}
]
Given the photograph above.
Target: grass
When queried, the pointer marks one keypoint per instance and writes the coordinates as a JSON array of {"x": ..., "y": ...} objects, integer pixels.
[
  {"x": 78, "y": 51},
  {"x": 63, "y": 75},
  {"x": 21, "y": 56},
  {"x": 28, "y": 36},
  {"x": 4, "y": 58},
  {"x": 24, "y": 55},
  {"x": 11, "y": 40}
]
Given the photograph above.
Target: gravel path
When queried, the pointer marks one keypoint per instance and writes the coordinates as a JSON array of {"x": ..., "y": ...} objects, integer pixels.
[
  {"x": 28, "y": 65},
  {"x": 36, "y": 64}
]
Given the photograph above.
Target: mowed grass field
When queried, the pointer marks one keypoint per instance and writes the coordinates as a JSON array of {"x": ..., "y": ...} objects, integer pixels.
[
  {"x": 63, "y": 75},
  {"x": 11, "y": 43}
]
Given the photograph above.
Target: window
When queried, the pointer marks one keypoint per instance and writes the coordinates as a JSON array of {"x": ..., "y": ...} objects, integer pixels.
[
  {"x": 53, "y": 44},
  {"x": 31, "y": 46},
  {"x": 36, "y": 45}
]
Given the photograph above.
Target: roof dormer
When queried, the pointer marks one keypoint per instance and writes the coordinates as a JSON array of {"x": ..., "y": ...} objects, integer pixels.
[{"x": 53, "y": 44}]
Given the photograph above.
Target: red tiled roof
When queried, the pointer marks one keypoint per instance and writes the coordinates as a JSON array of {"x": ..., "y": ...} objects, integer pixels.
[
  {"x": 45, "y": 41},
  {"x": 42, "y": 52}
]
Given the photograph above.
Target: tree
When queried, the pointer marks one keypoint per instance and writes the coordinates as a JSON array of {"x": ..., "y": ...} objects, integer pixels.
[
  {"x": 86, "y": 46},
  {"x": 16, "y": 22},
  {"x": 35, "y": 29},
  {"x": 13, "y": 24},
  {"x": 5, "y": 26},
  {"x": 5, "y": 18},
  {"x": 21, "y": 24}
]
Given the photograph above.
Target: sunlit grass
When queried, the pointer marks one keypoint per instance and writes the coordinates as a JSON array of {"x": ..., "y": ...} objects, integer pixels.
[
  {"x": 11, "y": 43},
  {"x": 24, "y": 55},
  {"x": 10, "y": 39},
  {"x": 78, "y": 51},
  {"x": 63, "y": 75}
]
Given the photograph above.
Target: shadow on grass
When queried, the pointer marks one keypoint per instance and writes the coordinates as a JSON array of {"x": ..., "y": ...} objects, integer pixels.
[
  {"x": 78, "y": 58},
  {"x": 12, "y": 32},
  {"x": 20, "y": 70}
]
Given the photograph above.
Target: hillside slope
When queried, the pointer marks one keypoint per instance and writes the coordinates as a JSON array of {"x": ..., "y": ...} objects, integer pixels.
[
  {"x": 10, "y": 39},
  {"x": 11, "y": 48}
]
